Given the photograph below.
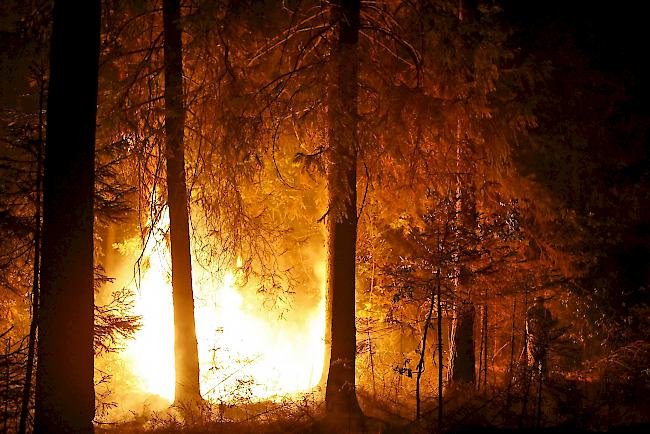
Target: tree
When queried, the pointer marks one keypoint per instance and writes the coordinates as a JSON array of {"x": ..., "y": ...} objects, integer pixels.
[
  {"x": 340, "y": 393},
  {"x": 429, "y": 246},
  {"x": 462, "y": 358},
  {"x": 185, "y": 344},
  {"x": 21, "y": 168},
  {"x": 589, "y": 155},
  {"x": 64, "y": 390},
  {"x": 36, "y": 271}
]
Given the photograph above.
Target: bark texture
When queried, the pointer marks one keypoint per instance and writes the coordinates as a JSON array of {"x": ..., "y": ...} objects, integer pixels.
[{"x": 64, "y": 379}]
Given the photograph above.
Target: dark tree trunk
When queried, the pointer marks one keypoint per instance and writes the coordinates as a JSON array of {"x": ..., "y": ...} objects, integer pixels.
[
  {"x": 462, "y": 354},
  {"x": 464, "y": 359},
  {"x": 511, "y": 364},
  {"x": 36, "y": 271},
  {"x": 423, "y": 348},
  {"x": 440, "y": 367},
  {"x": 340, "y": 394},
  {"x": 485, "y": 339},
  {"x": 185, "y": 344},
  {"x": 65, "y": 397},
  {"x": 526, "y": 372}
]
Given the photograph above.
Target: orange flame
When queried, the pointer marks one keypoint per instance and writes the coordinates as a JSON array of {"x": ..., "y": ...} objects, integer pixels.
[{"x": 243, "y": 349}]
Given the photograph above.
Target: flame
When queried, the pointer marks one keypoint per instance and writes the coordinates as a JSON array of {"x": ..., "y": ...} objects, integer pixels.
[
  {"x": 151, "y": 353},
  {"x": 244, "y": 350}
]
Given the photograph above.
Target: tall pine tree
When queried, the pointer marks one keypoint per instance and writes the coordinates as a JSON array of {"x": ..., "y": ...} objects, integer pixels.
[
  {"x": 64, "y": 389},
  {"x": 185, "y": 344},
  {"x": 340, "y": 394}
]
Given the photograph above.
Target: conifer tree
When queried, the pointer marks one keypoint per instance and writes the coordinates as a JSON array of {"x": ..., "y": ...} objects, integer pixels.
[
  {"x": 185, "y": 344},
  {"x": 340, "y": 394},
  {"x": 64, "y": 390}
]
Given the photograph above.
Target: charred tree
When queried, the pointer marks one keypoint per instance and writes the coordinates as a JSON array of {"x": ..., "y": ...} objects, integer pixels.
[
  {"x": 340, "y": 393},
  {"x": 185, "y": 343},
  {"x": 65, "y": 400}
]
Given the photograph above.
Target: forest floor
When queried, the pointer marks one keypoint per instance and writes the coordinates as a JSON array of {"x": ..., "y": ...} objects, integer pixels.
[
  {"x": 379, "y": 418},
  {"x": 371, "y": 426},
  {"x": 563, "y": 408}
]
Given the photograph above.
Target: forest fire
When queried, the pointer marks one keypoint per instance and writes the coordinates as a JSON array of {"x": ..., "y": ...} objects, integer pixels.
[
  {"x": 244, "y": 351},
  {"x": 339, "y": 217},
  {"x": 151, "y": 353}
]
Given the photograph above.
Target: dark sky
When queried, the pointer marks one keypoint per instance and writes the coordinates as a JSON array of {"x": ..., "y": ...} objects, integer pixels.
[{"x": 613, "y": 34}]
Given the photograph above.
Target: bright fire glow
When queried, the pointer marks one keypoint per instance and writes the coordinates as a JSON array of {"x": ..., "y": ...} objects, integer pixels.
[{"x": 244, "y": 350}]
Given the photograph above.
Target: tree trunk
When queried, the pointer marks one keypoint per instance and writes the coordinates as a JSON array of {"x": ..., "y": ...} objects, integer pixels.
[
  {"x": 464, "y": 359},
  {"x": 65, "y": 397},
  {"x": 36, "y": 271},
  {"x": 371, "y": 355},
  {"x": 511, "y": 364},
  {"x": 185, "y": 344},
  {"x": 340, "y": 393},
  {"x": 440, "y": 367},
  {"x": 462, "y": 356},
  {"x": 538, "y": 418},
  {"x": 423, "y": 348},
  {"x": 526, "y": 372},
  {"x": 483, "y": 352},
  {"x": 6, "y": 386}
]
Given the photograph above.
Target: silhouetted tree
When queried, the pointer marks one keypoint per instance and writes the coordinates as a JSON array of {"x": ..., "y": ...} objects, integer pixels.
[
  {"x": 185, "y": 344},
  {"x": 36, "y": 270},
  {"x": 64, "y": 390},
  {"x": 340, "y": 394}
]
